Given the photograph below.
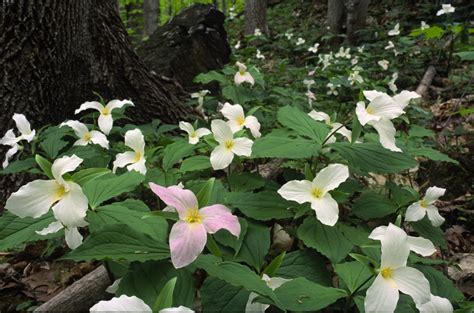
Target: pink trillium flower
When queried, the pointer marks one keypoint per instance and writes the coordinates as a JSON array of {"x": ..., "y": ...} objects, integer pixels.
[{"x": 188, "y": 236}]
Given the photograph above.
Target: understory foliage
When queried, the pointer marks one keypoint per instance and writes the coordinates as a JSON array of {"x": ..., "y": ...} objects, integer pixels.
[{"x": 268, "y": 200}]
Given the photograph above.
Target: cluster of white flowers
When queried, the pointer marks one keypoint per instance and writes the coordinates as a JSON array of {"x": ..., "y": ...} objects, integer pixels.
[
  {"x": 12, "y": 140},
  {"x": 355, "y": 76},
  {"x": 309, "y": 94},
  {"x": 332, "y": 89}
]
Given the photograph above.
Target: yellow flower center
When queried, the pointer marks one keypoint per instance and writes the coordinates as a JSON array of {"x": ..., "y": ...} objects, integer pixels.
[
  {"x": 242, "y": 72},
  {"x": 240, "y": 120},
  {"x": 60, "y": 192},
  {"x": 317, "y": 192},
  {"x": 387, "y": 273},
  {"x": 138, "y": 156},
  {"x": 105, "y": 111},
  {"x": 229, "y": 144},
  {"x": 424, "y": 203},
  {"x": 193, "y": 135},
  {"x": 369, "y": 110},
  {"x": 193, "y": 216},
  {"x": 87, "y": 137}
]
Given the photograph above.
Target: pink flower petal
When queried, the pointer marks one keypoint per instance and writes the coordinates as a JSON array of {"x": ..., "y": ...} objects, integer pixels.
[
  {"x": 187, "y": 240},
  {"x": 176, "y": 197},
  {"x": 217, "y": 216}
]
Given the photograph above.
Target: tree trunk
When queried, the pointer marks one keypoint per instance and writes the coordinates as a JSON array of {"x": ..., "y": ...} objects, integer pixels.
[
  {"x": 335, "y": 16},
  {"x": 151, "y": 13},
  {"x": 356, "y": 17},
  {"x": 54, "y": 54},
  {"x": 255, "y": 16}
]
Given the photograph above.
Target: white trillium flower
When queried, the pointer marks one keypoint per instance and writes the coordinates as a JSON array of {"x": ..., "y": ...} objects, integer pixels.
[
  {"x": 402, "y": 99},
  {"x": 273, "y": 283},
  {"x": 418, "y": 245},
  {"x": 391, "y": 84},
  {"x": 237, "y": 120},
  {"x": 237, "y": 45},
  {"x": 343, "y": 53},
  {"x": 134, "y": 160},
  {"x": 322, "y": 116},
  {"x": 68, "y": 202},
  {"x": 289, "y": 35},
  {"x": 395, "y": 31},
  {"x": 121, "y": 304},
  {"x": 85, "y": 136},
  {"x": 314, "y": 48},
  {"x": 355, "y": 76},
  {"x": 259, "y": 55},
  {"x": 332, "y": 89},
  {"x": 311, "y": 97},
  {"x": 10, "y": 139},
  {"x": 355, "y": 60},
  {"x": 436, "y": 305},
  {"x": 317, "y": 192},
  {"x": 200, "y": 96},
  {"x": 242, "y": 75},
  {"x": 308, "y": 82},
  {"x": 390, "y": 45},
  {"x": 257, "y": 32},
  {"x": 360, "y": 49},
  {"x": 114, "y": 287},
  {"x": 105, "y": 118},
  {"x": 194, "y": 135},
  {"x": 300, "y": 41},
  {"x": 395, "y": 276},
  {"x": 179, "y": 309},
  {"x": 424, "y": 25},
  {"x": 445, "y": 9},
  {"x": 419, "y": 209},
  {"x": 383, "y": 64},
  {"x": 223, "y": 154}
]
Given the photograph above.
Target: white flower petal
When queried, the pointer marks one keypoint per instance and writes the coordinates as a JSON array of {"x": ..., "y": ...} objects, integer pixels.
[
  {"x": 242, "y": 146},
  {"x": 99, "y": 139},
  {"x": 54, "y": 227},
  {"x": 89, "y": 105},
  {"x": 320, "y": 116},
  {"x": 251, "y": 122},
  {"x": 221, "y": 157},
  {"x": 81, "y": 142},
  {"x": 73, "y": 237},
  {"x": 331, "y": 177},
  {"x": 395, "y": 249},
  {"x": 116, "y": 104},
  {"x": 23, "y": 126},
  {"x": 372, "y": 94},
  {"x": 413, "y": 283},
  {"x": 180, "y": 309},
  {"x": 378, "y": 233},
  {"x": 434, "y": 216},
  {"x": 193, "y": 140},
  {"x": 384, "y": 106},
  {"x": 363, "y": 116},
  {"x": 433, "y": 194},
  {"x": 135, "y": 140},
  {"x": 415, "y": 212},
  {"x": 255, "y": 307},
  {"x": 79, "y": 128},
  {"x": 72, "y": 208},
  {"x": 105, "y": 122},
  {"x": 64, "y": 165},
  {"x": 9, "y": 139},
  {"x": 187, "y": 127},
  {"x": 274, "y": 282},
  {"x": 233, "y": 112},
  {"x": 381, "y": 296},
  {"x": 9, "y": 154},
  {"x": 436, "y": 305},
  {"x": 122, "y": 304},
  {"x": 342, "y": 130},
  {"x": 114, "y": 287},
  {"x": 386, "y": 132},
  {"x": 138, "y": 166},
  {"x": 297, "y": 190},
  {"x": 403, "y": 98},
  {"x": 33, "y": 199},
  {"x": 201, "y": 132},
  {"x": 123, "y": 159},
  {"x": 421, "y": 245},
  {"x": 327, "y": 209},
  {"x": 221, "y": 131}
]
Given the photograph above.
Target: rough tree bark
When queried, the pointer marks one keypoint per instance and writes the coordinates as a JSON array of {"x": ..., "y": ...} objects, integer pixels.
[
  {"x": 335, "y": 16},
  {"x": 55, "y": 53},
  {"x": 151, "y": 14},
  {"x": 255, "y": 16},
  {"x": 349, "y": 13}
]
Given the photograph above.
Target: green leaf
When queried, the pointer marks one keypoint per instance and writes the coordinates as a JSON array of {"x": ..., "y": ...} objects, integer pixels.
[
  {"x": 52, "y": 142},
  {"x": 88, "y": 174},
  {"x": 205, "y": 78},
  {"x": 263, "y": 206},
  {"x": 275, "y": 145},
  {"x": 465, "y": 55},
  {"x": 372, "y": 157},
  {"x": 215, "y": 195},
  {"x": 204, "y": 195},
  {"x": 146, "y": 281},
  {"x": 19, "y": 166},
  {"x": 235, "y": 274},
  {"x": 428, "y": 231},
  {"x": 353, "y": 274},
  {"x": 418, "y": 131},
  {"x": 356, "y": 129},
  {"x": 156, "y": 226},
  {"x": 432, "y": 154},
  {"x": 161, "y": 178},
  {"x": 195, "y": 163},
  {"x": 109, "y": 186},
  {"x": 328, "y": 240},
  {"x": 93, "y": 155},
  {"x": 255, "y": 245},
  {"x": 219, "y": 296},
  {"x": 274, "y": 265},
  {"x": 305, "y": 263},
  {"x": 300, "y": 294},
  {"x": 15, "y": 230},
  {"x": 175, "y": 152},
  {"x": 119, "y": 242},
  {"x": 440, "y": 285},
  {"x": 373, "y": 205},
  {"x": 303, "y": 124},
  {"x": 245, "y": 181},
  {"x": 237, "y": 94},
  {"x": 165, "y": 298},
  {"x": 225, "y": 238},
  {"x": 45, "y": 165}
]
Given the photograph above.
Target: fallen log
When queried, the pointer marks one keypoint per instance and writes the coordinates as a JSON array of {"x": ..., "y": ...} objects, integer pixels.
[
  {"x": 81, "y": 295},
  {"x": 426, "y": 81}
]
